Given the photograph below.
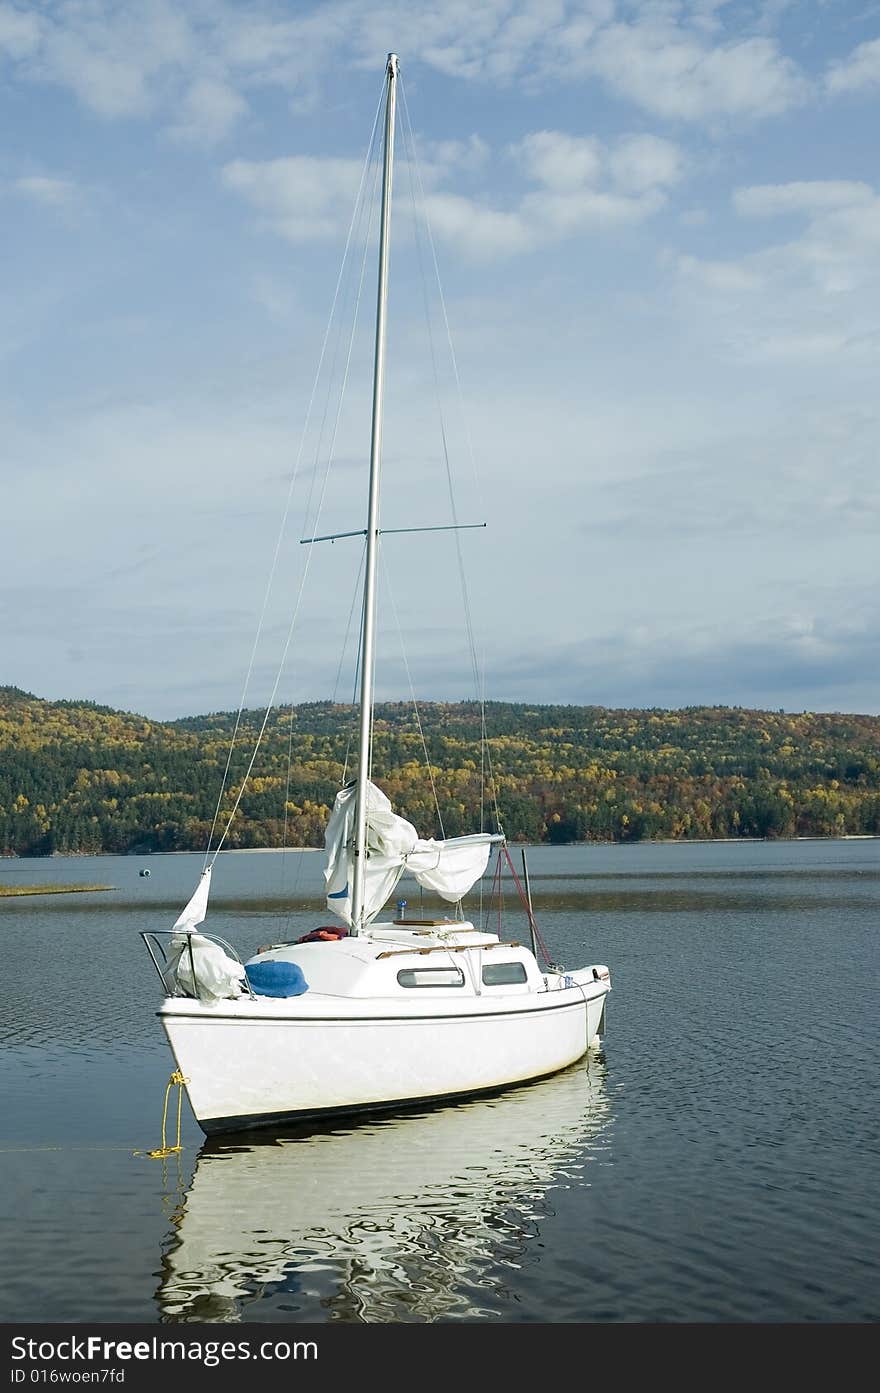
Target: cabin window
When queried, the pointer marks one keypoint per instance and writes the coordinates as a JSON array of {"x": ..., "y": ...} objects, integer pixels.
[
  {"x": 504, "y": 974},
  {"x": 431, "y": 977}
]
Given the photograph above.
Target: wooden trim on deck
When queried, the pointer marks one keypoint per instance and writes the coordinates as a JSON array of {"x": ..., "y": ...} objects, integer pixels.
[{"x": 444, "y": 948}]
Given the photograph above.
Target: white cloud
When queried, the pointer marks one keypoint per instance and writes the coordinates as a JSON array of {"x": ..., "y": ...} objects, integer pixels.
[
  {"x": 671, "y": 71},
  {"x": 302, "y": 197},
  {"x": 209, "y": 111},
  {"x": 725, "y": 276},
  {"x": 790, "y": 659},
  {"x": 44, "y": 189},
  {"x": 113, "y": 57},
  {"x": 792, "y": 348},
  {"x": 819, "y": 300},
  {"x": 566, "y": 42},
  {"x": 561, "y": 162},
  {"x": 521, "y": 32},
  {"x": 642, "y": 162},
  {"x": 860, "y": 70},
  {"x": 482, "y": 231},
  {"x": 804, "y": 196},
  {"x": 190, "y": 59},
  {"x": 838, "y": 248},
  {"x": 694, "y": 217},
  {"x": 495, "y": 41},
  {"x": 568, "y": 163},
  {"x": 19, "y": 31},
  {"x": 119, "y": 60},
  {"x": 441, "y": 157},
  {"x": 563, "y": 215},
  {"x": 182, "y": 62}
]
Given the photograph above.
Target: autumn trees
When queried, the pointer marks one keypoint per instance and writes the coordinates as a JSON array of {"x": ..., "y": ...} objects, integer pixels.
[{"x": 79, "y": 778}]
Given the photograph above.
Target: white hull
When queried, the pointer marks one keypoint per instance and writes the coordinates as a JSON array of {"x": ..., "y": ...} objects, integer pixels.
[{"x": 252, "y": 1063}]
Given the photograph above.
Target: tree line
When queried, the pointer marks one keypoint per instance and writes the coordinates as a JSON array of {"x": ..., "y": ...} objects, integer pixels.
[{"x": 76, "y": 777}]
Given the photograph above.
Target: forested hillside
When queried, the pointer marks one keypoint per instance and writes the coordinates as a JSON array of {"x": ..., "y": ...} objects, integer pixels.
[{"x": 76, "y": 777}]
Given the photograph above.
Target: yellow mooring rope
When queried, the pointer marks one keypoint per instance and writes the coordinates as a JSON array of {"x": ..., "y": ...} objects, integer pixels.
[{"x": 165, "y": 1150}]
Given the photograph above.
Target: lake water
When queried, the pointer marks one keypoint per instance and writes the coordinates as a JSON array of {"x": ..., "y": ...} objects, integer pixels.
[{"x": 716, "y": 1161}]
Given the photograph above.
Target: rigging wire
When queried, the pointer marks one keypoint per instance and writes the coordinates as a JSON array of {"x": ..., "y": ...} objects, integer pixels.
[
  {"x": 367, "y": 210},
  {"x": 373, "y": 685},
  {"x": 299, "y": 599},
  {"x": 387, "y": 578},
  {"x": 353, "y": 722},
  {"x": 356, "y": 211},
  {"x": 355, "y": 227},
  {"x": 354, "y": 598},
  {"x": 299, "y": 860},
  {"x": 478, "y": 669},
  {"x": 298, "y": 865},
  {"x": 524, "y": 898}
]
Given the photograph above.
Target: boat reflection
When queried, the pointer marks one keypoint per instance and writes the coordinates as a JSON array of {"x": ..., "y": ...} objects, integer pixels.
[{"x": 418, "y": 1217}]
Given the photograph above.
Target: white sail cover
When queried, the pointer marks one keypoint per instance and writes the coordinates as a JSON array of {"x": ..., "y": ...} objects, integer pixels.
[
  {"x": 217, "y": 977},
  {"x": 393, "y": 846}
]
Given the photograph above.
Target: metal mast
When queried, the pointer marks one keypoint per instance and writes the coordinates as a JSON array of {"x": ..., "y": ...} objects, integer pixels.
[{"x": 369, "y": 615}]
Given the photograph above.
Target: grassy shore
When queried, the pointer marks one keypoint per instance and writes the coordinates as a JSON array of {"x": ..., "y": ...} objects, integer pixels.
[{"x": 9, "y": 890}]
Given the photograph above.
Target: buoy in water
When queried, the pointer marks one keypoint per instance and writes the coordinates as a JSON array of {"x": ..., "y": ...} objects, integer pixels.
[{"x": 145, "y": 872}]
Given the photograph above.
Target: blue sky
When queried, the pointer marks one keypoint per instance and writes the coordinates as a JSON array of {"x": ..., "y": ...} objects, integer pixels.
[{"x": 657, "y": 227}]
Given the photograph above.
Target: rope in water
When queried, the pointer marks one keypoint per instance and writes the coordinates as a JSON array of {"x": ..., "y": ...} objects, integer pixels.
[{"x": 166, "y": 1150}]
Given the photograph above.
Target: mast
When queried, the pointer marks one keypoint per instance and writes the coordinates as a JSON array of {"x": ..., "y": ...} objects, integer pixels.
[{"x": 369, "y": 614}]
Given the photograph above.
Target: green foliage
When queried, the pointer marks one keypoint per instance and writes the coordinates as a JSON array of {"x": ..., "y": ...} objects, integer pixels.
[{"x": 76, "y": 777}]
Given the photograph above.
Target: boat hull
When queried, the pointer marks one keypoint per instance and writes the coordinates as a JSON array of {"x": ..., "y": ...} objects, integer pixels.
[{"x": 260, "y": 1064}]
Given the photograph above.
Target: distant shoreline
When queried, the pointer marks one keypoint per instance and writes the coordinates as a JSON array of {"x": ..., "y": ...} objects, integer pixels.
[
  {"x": 14, "y": 891},
  {"x": 20, "y": 861}
]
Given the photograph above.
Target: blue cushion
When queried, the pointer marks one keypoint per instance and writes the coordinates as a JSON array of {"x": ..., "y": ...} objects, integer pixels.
[{"x": 274, "y": 978}]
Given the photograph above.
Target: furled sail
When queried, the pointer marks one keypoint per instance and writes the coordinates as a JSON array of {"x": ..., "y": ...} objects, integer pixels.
[
  {"x": 196, "y": 966},
  {"x": 197, "y": 907},
  {"x": 393, "y": 846}
]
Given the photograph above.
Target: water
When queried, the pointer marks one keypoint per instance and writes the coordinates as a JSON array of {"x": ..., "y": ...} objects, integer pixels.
[{"x": 717, "y": 1161}]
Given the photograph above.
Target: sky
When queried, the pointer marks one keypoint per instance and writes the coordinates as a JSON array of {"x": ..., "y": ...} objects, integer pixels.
[{"x": 638, "y": 330}]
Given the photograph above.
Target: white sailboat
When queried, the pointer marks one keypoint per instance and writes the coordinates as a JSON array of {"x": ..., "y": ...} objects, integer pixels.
[{"x": 387, "y": 1013}]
